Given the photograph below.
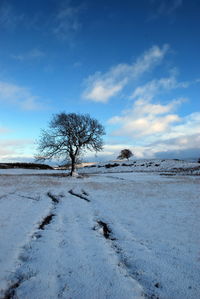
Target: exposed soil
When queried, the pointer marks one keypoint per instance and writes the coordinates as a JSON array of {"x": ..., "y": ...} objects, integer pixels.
[
  {"x": 53, "y": 197},
  {"x": 10, "y": 293},
  {"x": 106, "y": 229},
  {"x": 79, "y": 195},
  {"x": 123, "y": 263},
  {"x": 46, "y": 221}
]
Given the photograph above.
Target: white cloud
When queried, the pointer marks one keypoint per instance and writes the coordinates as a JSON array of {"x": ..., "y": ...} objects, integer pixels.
[
  {"x": 154, "y": 126},
  {"x": 145, "y": 118},
  {"x": 101, "y": 91},
  {"x": 164, "y": 7},
  {"x": 67, "y": 21},
  {"x": 110, "y": 151},
  {"x": 15, "y": 148},
  {"x": 189, "y": 126},
  {"x": 18, "y": 96},
  {"x": 33, "y": 54},
  {"x": 185, "y": 145},
  {"x": 162, "y": 134},
  {"x": 155, "y": 87},
  {"x": 185, "y": 141},
  {"x": 100, "y": 87}
]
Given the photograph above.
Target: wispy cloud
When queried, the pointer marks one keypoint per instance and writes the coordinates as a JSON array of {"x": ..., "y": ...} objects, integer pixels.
[
  {"x": 157, "y": 86},
  {"x": 9, "y": 18},
  {"x": 77, "y": 64},
  {"x": 189, "y": 125},
  {"x": 32, "y": 54},
  {"x": 164, "y": 8},
  {"x": 147, "y": 116},
  {"x": 153, "y": 126},
  {"x": 100, "y": 87},
  {"x": 15, "y": 148},
  {"x": 181, "y": 141},
  {"x": 67, "y": 20},
  {"x": 19, "y": 96},
  {"x": 146, "y": 119}
]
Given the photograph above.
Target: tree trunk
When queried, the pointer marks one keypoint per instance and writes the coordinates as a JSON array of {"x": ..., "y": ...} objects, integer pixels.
[{"x": 72, "y": 165}]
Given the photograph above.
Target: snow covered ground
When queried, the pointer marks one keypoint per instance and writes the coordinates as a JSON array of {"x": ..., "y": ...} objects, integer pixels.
[
  {"x": 154, "y": 165},
  {"x": 114, "y": 234}
]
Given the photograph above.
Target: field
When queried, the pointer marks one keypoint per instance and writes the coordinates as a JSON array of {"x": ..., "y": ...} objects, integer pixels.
[{"x": 115, "y": 231}]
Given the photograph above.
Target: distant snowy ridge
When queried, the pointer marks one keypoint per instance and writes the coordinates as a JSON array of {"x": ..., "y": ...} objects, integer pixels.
[{"x": 145, "y": 165}]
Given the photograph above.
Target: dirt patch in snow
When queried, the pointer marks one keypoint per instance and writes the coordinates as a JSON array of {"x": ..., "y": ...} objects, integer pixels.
[
  {"x": 83, "y": 195},
  {"x": 10, "y": 293},
  {"x": 53, "y": 197},
  {"x": 123, "y": 263},
  {"x": 107, "y": 233},
  {"x": 47, "y": 220}
]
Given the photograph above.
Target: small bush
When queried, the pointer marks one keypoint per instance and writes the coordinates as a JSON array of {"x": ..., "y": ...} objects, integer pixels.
[
  {"x": 111, "y": 165},
  {"x": 89, "y": 166}
]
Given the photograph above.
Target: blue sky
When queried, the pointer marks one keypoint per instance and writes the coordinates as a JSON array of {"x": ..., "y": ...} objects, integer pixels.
[{"x": 133, "y": 65}]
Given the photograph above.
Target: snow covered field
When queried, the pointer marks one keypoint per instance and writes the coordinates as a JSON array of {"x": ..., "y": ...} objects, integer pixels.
[{"x": 124, "y": 232}]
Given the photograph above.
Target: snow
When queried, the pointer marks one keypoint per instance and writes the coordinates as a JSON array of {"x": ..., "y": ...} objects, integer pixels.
[
  {"x": 153, "y": 165},
  {"x": 152, "y": 250}
]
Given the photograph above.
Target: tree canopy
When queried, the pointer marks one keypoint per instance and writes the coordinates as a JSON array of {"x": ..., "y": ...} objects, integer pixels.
[
  {"x": 125, "y": 154},
  {"x": 68, "y": 136}
]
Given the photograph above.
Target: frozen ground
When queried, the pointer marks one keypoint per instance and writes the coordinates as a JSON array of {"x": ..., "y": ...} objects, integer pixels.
[
  {"x": 173, "y": 166},
  {"x": 109, "y": 235}
]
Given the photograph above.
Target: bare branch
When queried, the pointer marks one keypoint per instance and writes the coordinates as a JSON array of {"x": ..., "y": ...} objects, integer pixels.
[{"x": 69, "y": 135}]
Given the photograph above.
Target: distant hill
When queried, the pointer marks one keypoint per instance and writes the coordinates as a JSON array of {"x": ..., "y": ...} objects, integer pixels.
[{"x": 24, "y": 165}]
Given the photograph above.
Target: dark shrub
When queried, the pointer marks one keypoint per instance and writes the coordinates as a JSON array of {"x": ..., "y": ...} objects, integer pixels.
[
  {"x": 124, "y": 164},
  {"x": 111, "y": 165}
]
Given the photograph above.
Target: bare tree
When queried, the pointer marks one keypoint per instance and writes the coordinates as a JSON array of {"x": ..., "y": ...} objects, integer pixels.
[
  {"x": 125, "y": 154},
  {"x": 68, "y": 136}
]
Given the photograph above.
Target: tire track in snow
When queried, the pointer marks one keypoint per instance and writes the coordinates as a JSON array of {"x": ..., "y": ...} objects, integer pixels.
[
  {"x": 103, "y": 228},
  {"x": 92, "y": 265},
  {"x": 19, "y": 277},
  {"x": 106, "y": 231},
  {"x": 22, "y": 274},
  {"x": 89, "y": 267},
  {"x": 82, "y": 195}
]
